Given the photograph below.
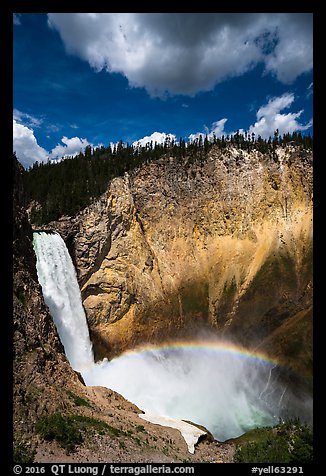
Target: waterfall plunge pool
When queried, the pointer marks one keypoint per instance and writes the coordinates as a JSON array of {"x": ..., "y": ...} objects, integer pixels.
[{"x": 219, "y": 385}]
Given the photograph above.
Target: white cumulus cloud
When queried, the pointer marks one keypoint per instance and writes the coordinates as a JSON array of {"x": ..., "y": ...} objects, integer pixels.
[
  {"x": 69, "y": 147},
  {"x": 29, "y": 151},
  {"x": 270, "y": 118},
  {"x": 184, "y": 53},
  {"x": 25, "y": 145},
  {"x": 158, "y": 137},
  {"x": 217, "y": 129}
]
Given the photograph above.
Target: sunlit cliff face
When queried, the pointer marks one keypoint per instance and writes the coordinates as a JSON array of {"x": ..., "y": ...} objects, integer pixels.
[
  {"x": 217, "y": 384},
  {"x": 226, "y": 243},
  {"x": 227, "y": 246}
]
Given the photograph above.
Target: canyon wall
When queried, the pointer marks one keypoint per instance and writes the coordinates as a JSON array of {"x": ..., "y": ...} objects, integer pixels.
[
  {"x": 179, "y": 249},
  {"x": 46, "y": 391},
  {"x": 40, "y": 368}
]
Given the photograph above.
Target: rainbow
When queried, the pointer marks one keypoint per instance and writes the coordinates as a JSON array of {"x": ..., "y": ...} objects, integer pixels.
[{"x": 216, "y": 347}]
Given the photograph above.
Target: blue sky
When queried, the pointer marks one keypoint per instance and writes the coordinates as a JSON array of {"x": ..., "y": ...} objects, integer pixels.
[{"x": 96, "y": 79}]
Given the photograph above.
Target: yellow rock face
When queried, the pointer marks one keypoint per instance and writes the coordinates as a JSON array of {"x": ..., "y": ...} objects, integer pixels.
[{"x": 175, "y": 249}]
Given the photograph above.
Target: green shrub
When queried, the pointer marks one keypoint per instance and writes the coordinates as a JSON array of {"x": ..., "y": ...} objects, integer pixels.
[
  {"x": 289, "y": 442},
  {"x": 78, "y": 401},
  {"x": 99, "y": 426},
  {"x": 69, "y": 431},
  {"x": 23, "y": 453},
  {"x": 302, "y": 451},
  {"x": 267, "y": 451},
  {"x": 140, "y": 428},
  {"x": 59, "y": 428}
]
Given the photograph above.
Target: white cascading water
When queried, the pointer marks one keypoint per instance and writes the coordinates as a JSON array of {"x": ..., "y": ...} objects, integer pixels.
[
  {"x": 226, "y": 393},
  {"x": 57, "y": 276}
]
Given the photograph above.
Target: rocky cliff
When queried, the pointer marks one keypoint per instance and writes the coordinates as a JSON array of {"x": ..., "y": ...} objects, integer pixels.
[
  {"x": 223, "y": 245},
  {"x": 55, "y": 417},
  {"x": 39, "y": 359}
]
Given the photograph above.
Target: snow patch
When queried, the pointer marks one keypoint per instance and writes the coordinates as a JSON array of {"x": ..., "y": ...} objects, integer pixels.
[{"x": 190, "y": 433}]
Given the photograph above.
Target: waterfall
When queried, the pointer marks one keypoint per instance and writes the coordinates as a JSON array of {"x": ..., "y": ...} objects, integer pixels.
[
  {"x": 57, "y": 276},
  {"x": 216, "y": 385}
]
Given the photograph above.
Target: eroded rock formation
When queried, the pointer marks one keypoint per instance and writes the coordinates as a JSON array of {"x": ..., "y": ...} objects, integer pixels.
[
  {"x": 45, "y": 386},
  {"x": 224, "y": 244}
]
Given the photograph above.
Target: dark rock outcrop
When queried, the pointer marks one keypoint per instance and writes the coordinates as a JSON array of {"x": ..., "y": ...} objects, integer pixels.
[{"x": 40, "y": 366}]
